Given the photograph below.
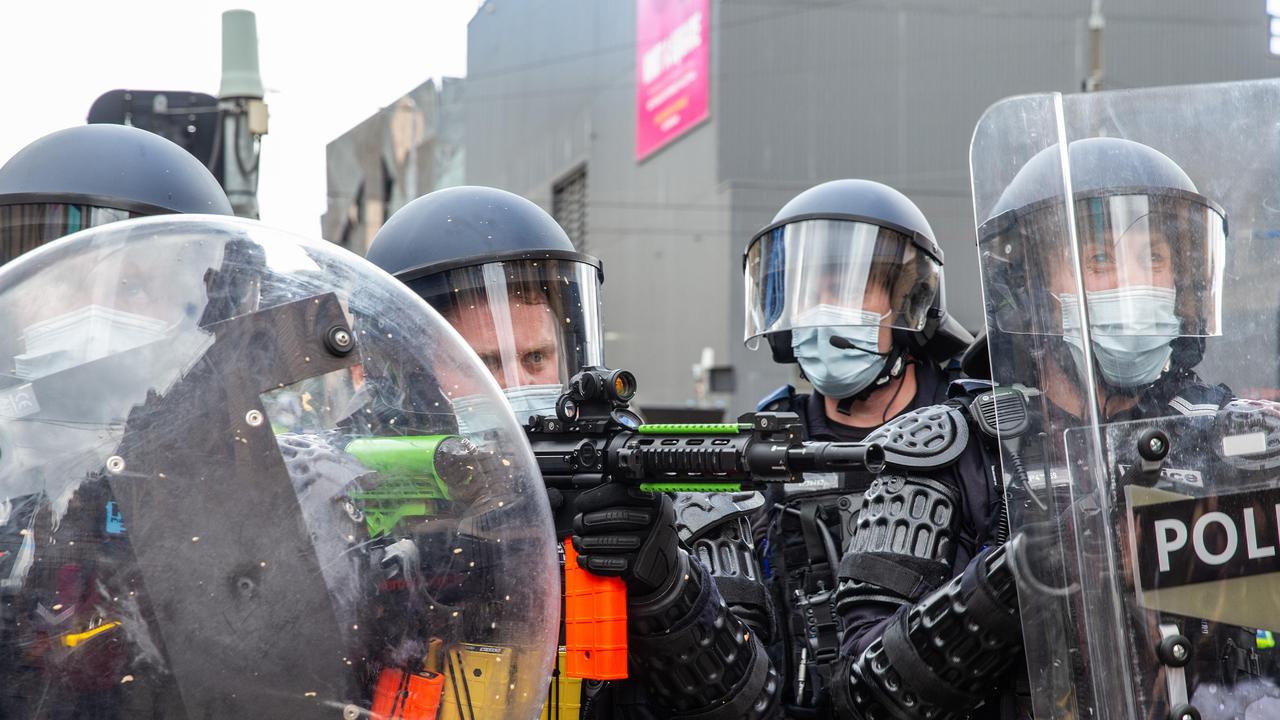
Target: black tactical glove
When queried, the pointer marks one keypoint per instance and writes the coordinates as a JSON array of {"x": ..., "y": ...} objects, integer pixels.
[{"x": 622, "y": 531}]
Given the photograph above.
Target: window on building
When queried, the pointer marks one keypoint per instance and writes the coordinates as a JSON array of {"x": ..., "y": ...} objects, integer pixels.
[
  {"x": 388, "y": 190},
  {"x": 347, "y": 235},
  {"x": 569, "y": 206}
]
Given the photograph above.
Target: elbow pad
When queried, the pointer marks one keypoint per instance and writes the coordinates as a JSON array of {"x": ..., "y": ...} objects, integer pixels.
[
  {"x": 695, "y": 657},
  {"x": 903, "y": 544}
]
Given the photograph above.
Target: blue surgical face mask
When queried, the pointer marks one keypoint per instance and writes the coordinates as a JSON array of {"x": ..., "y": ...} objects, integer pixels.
[
  {"x": 82, "y": 336},
  {"x": 837, "y": 372},
  {"x": 477, "y": 414},
  {"x": 528, "y": 400},
  {"x": 1131, "y": 329}
]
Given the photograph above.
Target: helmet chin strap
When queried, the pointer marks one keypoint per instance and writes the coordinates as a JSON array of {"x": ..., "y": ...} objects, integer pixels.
[{"x": 894, "y": 365}]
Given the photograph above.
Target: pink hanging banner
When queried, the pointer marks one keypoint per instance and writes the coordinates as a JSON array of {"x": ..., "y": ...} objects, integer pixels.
[{"x": 673, "y": 68}]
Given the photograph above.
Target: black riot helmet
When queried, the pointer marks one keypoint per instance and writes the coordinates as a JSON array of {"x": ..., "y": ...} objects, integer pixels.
[
  {"x": 91, "y": 175},
  {"x": 850, "y": 253},
  {"x": 1149, "y": 249},
  {"x": 505, "y": 274}
]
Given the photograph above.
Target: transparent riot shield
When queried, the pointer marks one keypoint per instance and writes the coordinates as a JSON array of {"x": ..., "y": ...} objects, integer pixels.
[
  {"x": 1128, "y": 249},
  {"x": 232, "y": 485},
  {"x": 1193, "y": 512}
]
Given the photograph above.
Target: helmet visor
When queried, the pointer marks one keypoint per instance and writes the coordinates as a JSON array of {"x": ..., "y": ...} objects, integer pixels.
[
  {"x": 531, "y": 321},
  {"x": 804, "y": 273},
  {"x": 27, "y": 227},
  {"x": 1149, "y": 263}
]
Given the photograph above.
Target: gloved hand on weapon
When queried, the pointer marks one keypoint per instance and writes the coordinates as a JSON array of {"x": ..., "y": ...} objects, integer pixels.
[{"x": 622, "y": 531}]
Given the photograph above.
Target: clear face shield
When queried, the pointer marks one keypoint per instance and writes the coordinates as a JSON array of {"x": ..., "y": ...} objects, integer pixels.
[
  {"x": 232, "y": 485},
  {"x": 1150, "y": 264},
  {"x": 836, "y": 273},
  {"x": 1140, "y": 489},
  {"x": 534, "y": 323},
  {"x": 27, "y": 227}
]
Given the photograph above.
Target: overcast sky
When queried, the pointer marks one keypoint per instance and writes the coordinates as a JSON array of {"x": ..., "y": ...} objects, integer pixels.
[{"x": 326, "y": 67}]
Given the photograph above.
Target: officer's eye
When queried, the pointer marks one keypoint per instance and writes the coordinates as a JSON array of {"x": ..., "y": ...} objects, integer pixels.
[
  {"x": 492, "y": 362},
  {"x": 535, "y": 358},
  {"x": 1098, "y": 262}
]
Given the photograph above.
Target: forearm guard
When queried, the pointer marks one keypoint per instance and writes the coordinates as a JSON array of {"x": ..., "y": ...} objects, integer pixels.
[
  {"x": 942, "y": 656},
  {"x": 694, "y": 656},
  {"x": 727, "y": 555}
]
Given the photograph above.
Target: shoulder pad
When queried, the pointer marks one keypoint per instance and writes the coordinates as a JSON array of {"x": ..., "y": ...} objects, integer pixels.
[
  {"x": 925, "y": 438},
  {"x": 968, "y": 388},
  {"x": 784, "y": 398},
  {"x": 698, "y": 512},
  {"x": 1200, "y": 399}
]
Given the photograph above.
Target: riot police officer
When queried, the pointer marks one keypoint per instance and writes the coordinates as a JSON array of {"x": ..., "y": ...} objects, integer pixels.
[
  {"x": 169, "y": 548},
  {"x": 1114, "y": 288},
  {"x": 90, "y": 175},
  {"x": 508, "y": 279},
  {"x": 67, "y": 181},
  {"x": 1147, "y": 239},
  {"x": 846, "y": 281}
]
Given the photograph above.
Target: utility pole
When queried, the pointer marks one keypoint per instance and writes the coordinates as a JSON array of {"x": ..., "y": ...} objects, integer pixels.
[
  {"x": 243, "y": 113},
  {"x": 1093, "y": 83}
]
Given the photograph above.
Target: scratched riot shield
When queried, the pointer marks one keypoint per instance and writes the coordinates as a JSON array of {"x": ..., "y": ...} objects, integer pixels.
[
  {"x": 232, "y": 485},
  {"x": 1128, "y": 246}
]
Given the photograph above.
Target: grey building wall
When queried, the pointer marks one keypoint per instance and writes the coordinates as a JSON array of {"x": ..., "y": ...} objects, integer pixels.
[
  {"x": 550, "y": 88},
  {"x": 407, "y": 149},
  {"x": 802, "y": 91}
]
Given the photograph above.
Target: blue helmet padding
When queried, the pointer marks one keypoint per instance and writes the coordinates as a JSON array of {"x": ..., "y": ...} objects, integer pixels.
[{"x": 775, "y": 277}]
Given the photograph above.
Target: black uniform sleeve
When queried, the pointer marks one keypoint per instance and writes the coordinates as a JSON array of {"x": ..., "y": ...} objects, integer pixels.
[
  {"x": 940, "y": 657},
  {"x": 695, "y": 657}
]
